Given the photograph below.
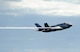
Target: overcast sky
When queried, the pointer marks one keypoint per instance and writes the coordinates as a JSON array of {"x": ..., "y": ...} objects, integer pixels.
[{"x": 24, "y": 13}]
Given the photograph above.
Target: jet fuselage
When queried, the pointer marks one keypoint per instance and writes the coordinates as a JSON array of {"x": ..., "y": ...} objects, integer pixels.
[{"x": 48, "y": 28}]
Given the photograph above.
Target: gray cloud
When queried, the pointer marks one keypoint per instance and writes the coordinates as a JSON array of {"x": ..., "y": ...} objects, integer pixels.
[
  {"x": 5, "y": 9},
  {"x": 11, "y": 0},
  {"x": 70, "y": 1},
  {"x": 38, "y": 7}
]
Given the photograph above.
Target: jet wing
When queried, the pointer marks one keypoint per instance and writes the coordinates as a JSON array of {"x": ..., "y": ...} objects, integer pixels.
[{"x": 57, "y": 27}]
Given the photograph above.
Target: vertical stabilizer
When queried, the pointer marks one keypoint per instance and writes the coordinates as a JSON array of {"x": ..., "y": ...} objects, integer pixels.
[
  {"x": 46, "y": 25},
  {"x": 37, "y": 25}
]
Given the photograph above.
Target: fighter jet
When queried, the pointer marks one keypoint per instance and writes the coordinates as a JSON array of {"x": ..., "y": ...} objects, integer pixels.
[{"x": 48, "y": 28}]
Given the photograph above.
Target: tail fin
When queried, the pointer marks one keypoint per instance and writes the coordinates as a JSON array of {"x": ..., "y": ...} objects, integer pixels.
[
  {"x": 37, "y": 25},
  {"x": 46, "y": 25}
]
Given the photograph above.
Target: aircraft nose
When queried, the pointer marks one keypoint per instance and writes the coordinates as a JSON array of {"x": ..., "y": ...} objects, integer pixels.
[{"x": 70, "y": 25}]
